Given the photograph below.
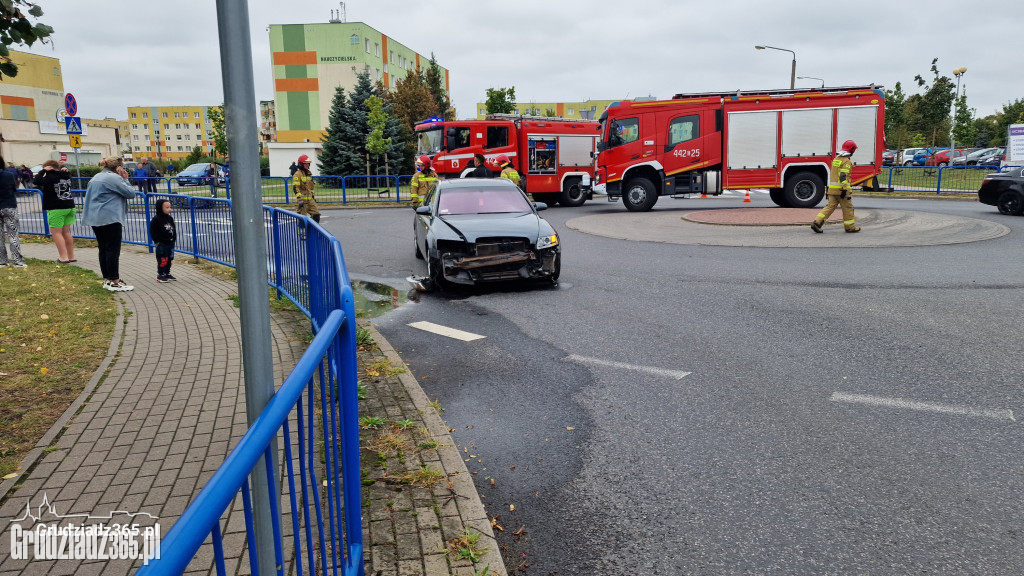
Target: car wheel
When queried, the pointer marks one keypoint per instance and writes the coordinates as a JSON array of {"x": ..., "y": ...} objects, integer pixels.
[
  {"x": 573, "y": 194},
  {"x": 942, "y": 164},
  {"x": 778, "y": 197},
  {"x": 419, "y": 253},
  {"x": 908, "y": 163},
  {"x": 639, "y": 195},
  {"x": 1010, "y": 203},
  {"x": 803, "y": 190}
]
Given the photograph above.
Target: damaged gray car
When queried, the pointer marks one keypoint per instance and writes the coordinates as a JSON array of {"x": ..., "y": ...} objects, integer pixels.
[{"x": 474, "y": 231}]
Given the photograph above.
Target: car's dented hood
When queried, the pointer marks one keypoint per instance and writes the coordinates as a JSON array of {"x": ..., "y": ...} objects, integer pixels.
[{"x": 526, "y": 225}]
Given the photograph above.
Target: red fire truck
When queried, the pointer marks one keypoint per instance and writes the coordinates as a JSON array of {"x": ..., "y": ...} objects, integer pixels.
[
  {"x": 554, "y": 156},
  {"x": 782, "y": 140}
]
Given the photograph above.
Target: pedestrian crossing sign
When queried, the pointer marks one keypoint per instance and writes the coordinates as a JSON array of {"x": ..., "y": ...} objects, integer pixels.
[
  {"x": 73, "y": 124},
  {"x": 75, "y": 140}
]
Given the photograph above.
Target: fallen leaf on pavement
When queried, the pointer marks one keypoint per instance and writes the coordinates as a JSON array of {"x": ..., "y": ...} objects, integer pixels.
[{"x": 520, "y": 531}]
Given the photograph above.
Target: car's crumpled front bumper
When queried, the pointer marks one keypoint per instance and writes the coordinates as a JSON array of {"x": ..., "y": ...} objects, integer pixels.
[{"x": 467, "y": 269}]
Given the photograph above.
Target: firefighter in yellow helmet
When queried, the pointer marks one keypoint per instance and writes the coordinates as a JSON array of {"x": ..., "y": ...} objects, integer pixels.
[
  {"x": 303, "y": 186},
  {"x": 423, "y": 182},
  {"x": 840, "y": 190}
]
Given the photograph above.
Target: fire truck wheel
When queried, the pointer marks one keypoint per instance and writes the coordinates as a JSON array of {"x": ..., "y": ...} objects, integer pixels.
[
  {"x": 639, "y": 195},
  {"x": 803, "y": 190},
  {"x": 573, "y": 194},
  {"x": 778, "y": 197}
]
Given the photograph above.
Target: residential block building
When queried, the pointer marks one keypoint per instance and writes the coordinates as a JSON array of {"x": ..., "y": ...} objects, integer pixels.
[
  {"x": 585, "y": 110},
  {"x": 311, "y": 60},
  {"x": 123, "y": 135},
  {"x": 169, "y": 131}
]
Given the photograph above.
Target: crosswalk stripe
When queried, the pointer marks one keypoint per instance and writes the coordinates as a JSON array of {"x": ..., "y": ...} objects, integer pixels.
[{"x": 446, "y": 331}]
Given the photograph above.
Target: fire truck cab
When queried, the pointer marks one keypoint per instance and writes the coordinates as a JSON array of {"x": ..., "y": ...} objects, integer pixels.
[
  {"x": 554, "y": 156},
  {"x": 782, "y": 140}
]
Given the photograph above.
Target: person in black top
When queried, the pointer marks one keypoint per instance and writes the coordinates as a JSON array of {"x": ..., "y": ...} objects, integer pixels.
[
  {"x": 481, "y": 170},
  {"x": 55, "y": 182},
  {"x": 164, "y": 233}
]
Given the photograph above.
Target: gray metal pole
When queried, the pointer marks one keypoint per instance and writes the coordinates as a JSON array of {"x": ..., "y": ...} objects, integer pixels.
[
  {"x": 792, "y": 74},
  {"x": 250, "y": 247}
]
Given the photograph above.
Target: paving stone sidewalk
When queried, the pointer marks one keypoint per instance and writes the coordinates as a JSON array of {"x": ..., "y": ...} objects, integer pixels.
[{"x": 171, "y": 406}]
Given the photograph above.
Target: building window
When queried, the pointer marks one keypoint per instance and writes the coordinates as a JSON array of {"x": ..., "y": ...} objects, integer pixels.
[
  {"x": 376, "y": 50},
  {"x": 134, "y": 126},
  {"x": 188, "y": 136},
  {"x": 177, "y": 115},
  {"x": 385, "y": 67},
  {"x": 149, "y": 148},
  {"x": 136, "y": 148},
  {"x": 165, "y": 114},
  {"x": 180, "y": 149},
  {"x": 196, "y": 115},
  {"x": 168, "y": 137},
  {"x": 198, "y": 137},
  {"x": 572, "y": 111},
  {"x": 483, "y": 111},
  {"x": 177, "y": 126},
  {"x": 179, "y": 136},
  {"x": 378, "y": 74},
  {"x": 135, "y": 137},
  {"x": 133, "y": 114},
  {"x": 367, "y": 45}
]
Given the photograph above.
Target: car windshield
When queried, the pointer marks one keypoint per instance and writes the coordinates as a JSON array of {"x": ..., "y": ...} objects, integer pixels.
[
  {"x": 197, "y": 168},
  {"x": 980, "y": 153},
  {"x": 429, "y": 141},
  {"x": 482, "y": 201}
]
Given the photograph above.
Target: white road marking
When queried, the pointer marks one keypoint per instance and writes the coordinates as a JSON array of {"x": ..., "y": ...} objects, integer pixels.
[
  {"x": 922, "y": 406},
  {"x": 677, "y": 374},
  {"x": 446, "y": 331}
]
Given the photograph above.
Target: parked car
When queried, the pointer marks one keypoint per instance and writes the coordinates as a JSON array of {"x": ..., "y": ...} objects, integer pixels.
[
  {"x": 888, "y": 157},
  {"x": 906, "y": 156},
  {"x": 484, "y": 230},
  {"x": 196, "y": 175},
  {"x": 972, "y": 158},
  {"x": 941, "y": 157},
  {"x": 994, "y": 157},
  {"x": 1004, "y": 190}
]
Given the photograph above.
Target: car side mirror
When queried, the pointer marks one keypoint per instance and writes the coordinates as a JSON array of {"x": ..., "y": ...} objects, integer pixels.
[
  {"x": 540, "y": 206},
  {"x": 425, "y": 210}
]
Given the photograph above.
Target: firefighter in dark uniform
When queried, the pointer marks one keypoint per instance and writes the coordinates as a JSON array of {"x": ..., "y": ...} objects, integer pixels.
[
  {"x": 840, "y": 190},
  {"x": 423, "y": 182},
  {"x": 303, "y": 186}
]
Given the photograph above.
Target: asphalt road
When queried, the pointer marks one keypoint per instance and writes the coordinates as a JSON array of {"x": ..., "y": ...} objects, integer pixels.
[{"x": 845, "y": 411}]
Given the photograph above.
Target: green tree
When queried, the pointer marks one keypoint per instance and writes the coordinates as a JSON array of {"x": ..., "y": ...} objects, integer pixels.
[
  {"x": 194, "y": 157},
  {"x": 377, "y": 120},
  {"x": 17, "y": 28},
  {"x": 932, "y": 108},
  {"x": 1012, "y": 113},
  {"x": 549, "y": 112},
  {"x": 985, "y": 130},
  {"x": 896, "y": 133},
  {"x": 964, "y": 130},
  {"x": 218, "y": 130},
  {"x": 410, "y": 102},
  {"x": 348, "y": 128},
  {"x": 501, "y": 100},
  {"x": 435, "y": 83}
]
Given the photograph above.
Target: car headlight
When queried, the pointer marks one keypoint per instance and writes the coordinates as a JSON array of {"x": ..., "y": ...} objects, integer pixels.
[{"x": 547, "y": 241}]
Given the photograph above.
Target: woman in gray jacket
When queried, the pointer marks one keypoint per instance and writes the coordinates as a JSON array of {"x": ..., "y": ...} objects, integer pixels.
[{"x": 106, "y": 210}]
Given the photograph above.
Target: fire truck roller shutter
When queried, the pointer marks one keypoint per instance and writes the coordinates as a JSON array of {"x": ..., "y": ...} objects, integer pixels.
[{"x": 858, "y": 124}]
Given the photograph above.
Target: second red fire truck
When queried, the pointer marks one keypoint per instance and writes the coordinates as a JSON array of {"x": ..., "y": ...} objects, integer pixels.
[
  {"x": 554, "y": 156},
  {"x": 782, "y": 140}
]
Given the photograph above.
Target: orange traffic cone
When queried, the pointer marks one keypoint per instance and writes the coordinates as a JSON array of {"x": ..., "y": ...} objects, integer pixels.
[
  {"x": 703, "y": 195},
  {"x": 747, "y": 197}
]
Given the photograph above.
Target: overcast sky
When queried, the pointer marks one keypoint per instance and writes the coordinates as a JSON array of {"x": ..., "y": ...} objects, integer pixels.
[{"x": 120, "y": 53}]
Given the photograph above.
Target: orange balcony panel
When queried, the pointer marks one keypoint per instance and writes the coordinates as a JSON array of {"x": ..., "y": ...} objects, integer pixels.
[
  {"x": 294, "y": 58},
  {"x": 296, "y": 84}
]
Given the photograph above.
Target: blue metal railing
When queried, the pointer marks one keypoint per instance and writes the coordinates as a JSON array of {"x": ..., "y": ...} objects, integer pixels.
[
  {"x": 319, "y": 398},
  {"x": 936, "y": 179}
]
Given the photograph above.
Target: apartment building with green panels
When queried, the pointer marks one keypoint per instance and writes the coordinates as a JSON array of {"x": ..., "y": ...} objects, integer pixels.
[{"x": 311, "y": 60}]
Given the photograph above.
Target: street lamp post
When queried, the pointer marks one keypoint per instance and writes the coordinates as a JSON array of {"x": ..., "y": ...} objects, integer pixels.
[
  {"x": 792, "y": 74},
  {"x": 811, "y": 78},
  {"x": 952, "y": 125}
]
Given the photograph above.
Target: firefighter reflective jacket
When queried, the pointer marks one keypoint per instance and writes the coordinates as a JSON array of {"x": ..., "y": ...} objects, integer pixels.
[
  {"x": 423, "y": 182},
  {"x": 510, "y": 173},
  {"x": 839, "y": 176},
  {"x": 303, "y": 185}
]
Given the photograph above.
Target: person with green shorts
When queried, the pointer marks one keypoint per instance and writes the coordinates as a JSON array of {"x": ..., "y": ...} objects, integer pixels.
[{"x": 55, "y": 182}]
